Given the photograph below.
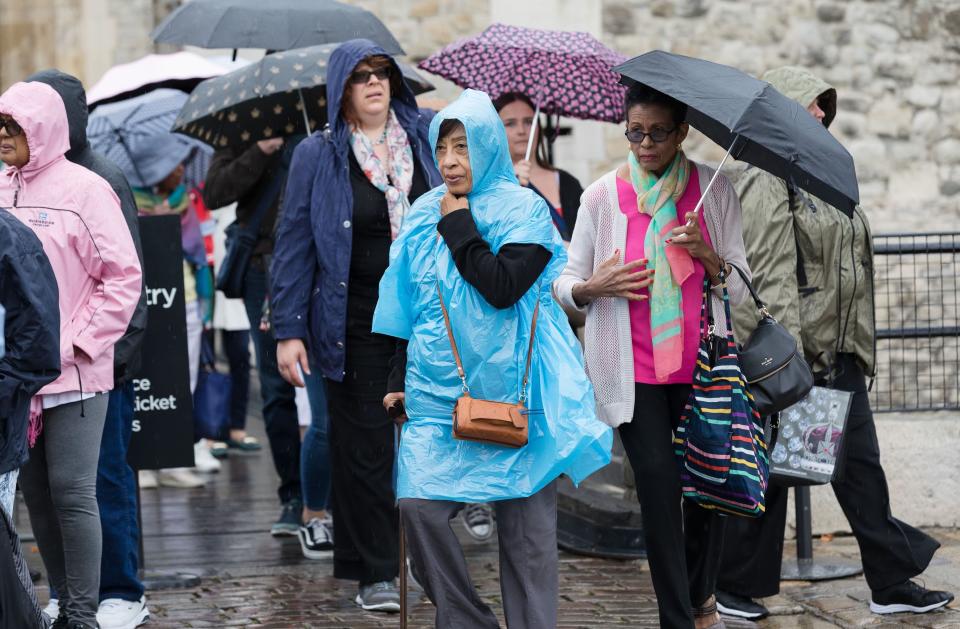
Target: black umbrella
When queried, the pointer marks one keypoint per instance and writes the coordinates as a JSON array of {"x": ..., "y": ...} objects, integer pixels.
[
  {"x": 271, "y": 24},
  {"x": 282, "y": 94},
  {"x": 756, "y": 123}
]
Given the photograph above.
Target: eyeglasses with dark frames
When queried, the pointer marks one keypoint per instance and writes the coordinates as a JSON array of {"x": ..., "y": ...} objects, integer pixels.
[{"x": 657, "y": 135}]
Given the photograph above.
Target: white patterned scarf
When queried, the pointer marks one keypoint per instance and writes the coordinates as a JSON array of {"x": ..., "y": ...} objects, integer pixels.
[{"x": 395, "y": 180}]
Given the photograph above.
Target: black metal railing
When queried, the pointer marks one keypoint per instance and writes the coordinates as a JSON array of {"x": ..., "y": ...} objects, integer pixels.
[{"x": 918, "y": 321}]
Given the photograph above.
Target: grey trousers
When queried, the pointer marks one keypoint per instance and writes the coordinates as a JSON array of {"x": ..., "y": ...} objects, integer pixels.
[
  {"x": 59, "y": 485},
  {"x": 527, "y": 531}
]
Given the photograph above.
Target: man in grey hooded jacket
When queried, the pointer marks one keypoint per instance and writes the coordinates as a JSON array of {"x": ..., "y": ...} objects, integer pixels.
[{"x": 813, "y": 265}]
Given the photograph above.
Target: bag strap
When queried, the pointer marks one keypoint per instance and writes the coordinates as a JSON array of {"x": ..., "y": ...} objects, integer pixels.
[
  {"x": 270, "y": 194},
  {"x": 761, "y": 307},
  {"x": 456, "y": 352}
]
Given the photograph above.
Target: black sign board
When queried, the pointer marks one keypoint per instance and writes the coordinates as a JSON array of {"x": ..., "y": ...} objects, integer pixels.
[{"x": 163, "y": 407}]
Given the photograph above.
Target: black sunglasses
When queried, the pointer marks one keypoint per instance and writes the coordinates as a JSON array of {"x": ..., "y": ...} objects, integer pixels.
[
  {"x": 657, "y": 135},
  {"x": 10, "y": 126},
  {"x": 361, "y": 77}
]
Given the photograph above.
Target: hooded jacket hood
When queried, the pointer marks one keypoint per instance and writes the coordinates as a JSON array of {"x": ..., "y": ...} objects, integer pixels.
[
  {"x": 342, "y": 62},
  {"x": 486, "y": 139},
  {"x": 804, "y": 87},
  {"x": 40, "y": 111},
  {"x": 74, "y": 99}
]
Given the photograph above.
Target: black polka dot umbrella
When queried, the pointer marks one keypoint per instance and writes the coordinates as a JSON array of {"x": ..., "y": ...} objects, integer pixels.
[{"x": 282, "y": 94}]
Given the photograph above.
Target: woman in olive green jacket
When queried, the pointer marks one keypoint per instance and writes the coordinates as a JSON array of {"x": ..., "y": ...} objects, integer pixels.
[{"x": 813, "y": 265}]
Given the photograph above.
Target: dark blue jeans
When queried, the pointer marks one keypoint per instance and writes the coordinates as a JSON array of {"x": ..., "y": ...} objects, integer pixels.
[
  {"x": 279, "y": 407},
  {"x": 236, "y": 345},
  {"x": 117, "y": 499},
  {"x": 315, "y": 453}
]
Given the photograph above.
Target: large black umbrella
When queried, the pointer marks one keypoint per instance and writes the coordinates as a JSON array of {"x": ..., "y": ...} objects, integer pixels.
[
  {"x": 271, "y": 24},
  {"x": 282, "y": 94},
  {"x": 754, "y": 122}
]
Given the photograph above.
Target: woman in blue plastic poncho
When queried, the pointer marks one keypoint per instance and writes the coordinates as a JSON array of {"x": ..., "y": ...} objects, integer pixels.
[{"x": 489, "y": 246}]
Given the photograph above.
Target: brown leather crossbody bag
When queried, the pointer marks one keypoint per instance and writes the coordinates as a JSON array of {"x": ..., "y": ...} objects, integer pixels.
[{"x": 497, "y": 423}]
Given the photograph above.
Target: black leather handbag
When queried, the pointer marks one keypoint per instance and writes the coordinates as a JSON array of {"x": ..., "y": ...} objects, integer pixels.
[{"x": 772, "y": 362}]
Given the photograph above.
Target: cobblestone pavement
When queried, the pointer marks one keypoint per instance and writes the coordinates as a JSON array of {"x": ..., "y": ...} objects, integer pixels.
[
  {"x": 594, "y": 593},
  {"x": 250, "y": 579}
]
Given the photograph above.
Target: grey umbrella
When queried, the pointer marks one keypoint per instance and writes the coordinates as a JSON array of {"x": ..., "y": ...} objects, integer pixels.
[
  {"x": 271, "y": 24},
  {"x": 754, "y": 122}
]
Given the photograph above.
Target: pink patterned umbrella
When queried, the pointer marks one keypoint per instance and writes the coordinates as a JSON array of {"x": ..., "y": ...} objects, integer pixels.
[{"x": 565, "y": 73}]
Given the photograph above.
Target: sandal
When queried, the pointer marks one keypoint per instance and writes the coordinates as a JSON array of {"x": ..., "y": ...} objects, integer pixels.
[
  {"x": 247, "y": 444},
  {"x": 709, "y": 610}
]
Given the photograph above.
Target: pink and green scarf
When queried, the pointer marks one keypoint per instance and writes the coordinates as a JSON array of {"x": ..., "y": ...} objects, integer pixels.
[{"x": 657, "y": 197}]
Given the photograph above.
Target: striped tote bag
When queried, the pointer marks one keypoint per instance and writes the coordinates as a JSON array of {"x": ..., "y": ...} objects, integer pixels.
[{"x": 720, "y": 440}]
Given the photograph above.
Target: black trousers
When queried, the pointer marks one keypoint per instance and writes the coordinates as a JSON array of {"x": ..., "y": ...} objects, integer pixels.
[
  {"x": 683, "y": 542},
  {"x": 891, "y": 551},
  {"x": 279, "y": 407},
  {"x": 365, "y": 516}
]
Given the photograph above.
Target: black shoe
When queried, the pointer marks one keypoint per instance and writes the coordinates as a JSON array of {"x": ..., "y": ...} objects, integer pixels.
[
  {"x": 289, "y": 521},
  {"x": 62, "y": 622},
  {"x": 740, "y": 606},
  {"x": 908, "y": 597},
  {"x": 316, "y": 539}
]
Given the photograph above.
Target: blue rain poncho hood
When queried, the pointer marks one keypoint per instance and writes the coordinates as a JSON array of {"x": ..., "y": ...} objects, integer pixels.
[{"x": 565, "y": 435}]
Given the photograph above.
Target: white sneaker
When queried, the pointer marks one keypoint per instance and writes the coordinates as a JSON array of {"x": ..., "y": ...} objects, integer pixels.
[
  {"x": 116, "y": 613},
  {"x": 148, "y": 479},
  {"x": 203, "y": 460},
  {"x": 52, "y": 610},
  {"x": 180, "y": 477}
]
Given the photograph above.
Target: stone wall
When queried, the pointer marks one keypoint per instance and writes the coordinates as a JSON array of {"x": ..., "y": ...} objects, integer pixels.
[
  {"x": 82, "y": 37},
  {"x": 895, "y": 63}
]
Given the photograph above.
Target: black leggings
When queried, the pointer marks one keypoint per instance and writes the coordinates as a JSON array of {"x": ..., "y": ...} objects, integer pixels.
[
  {"x": 365, "y": 515},
  {"x": 683, "y": 544}
]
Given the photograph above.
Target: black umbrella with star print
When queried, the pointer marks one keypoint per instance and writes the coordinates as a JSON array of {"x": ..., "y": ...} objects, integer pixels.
[{"x": 282, "y": 94}]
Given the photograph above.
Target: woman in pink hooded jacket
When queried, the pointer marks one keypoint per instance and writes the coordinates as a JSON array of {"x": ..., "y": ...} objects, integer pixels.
[{"x": 77, "y": 217}]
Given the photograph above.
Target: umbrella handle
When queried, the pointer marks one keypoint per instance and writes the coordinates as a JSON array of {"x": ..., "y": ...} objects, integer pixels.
[
  {"x": 716, "y": 174},
  {"x": 535, "y": 127},
  {"x": 303, "y": 110}
]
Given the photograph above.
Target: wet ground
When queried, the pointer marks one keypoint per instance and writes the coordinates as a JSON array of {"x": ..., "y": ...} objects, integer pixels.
[{"x": 250, "y": 579}]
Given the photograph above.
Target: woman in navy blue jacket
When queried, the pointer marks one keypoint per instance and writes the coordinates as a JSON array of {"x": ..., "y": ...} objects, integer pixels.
[{"x": 348, "y": 190}]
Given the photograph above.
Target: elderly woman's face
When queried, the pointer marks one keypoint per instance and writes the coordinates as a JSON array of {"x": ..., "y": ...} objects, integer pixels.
[
  {"x": 454, "y": 161},
  {"x": 370, "y": 89},
  {"x": 13, "y": 143},
  {"x": 662, "y": 138}
]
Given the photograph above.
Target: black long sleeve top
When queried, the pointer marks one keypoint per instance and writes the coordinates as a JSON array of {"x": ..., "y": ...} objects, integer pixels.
[{"x": 501, "y": 278}]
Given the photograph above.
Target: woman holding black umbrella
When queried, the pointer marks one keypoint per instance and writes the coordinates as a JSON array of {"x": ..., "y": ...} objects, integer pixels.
[
  {"x": 636, "y": 269},
  {"x": 347, "y": 193}
]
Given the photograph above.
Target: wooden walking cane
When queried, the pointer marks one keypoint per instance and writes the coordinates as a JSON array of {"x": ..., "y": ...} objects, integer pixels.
[{"x": 395, "y": 412}]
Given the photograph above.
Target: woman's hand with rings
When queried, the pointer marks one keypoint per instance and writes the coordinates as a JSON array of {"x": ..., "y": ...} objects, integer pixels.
[
  {"x": 689, "y": 237},
  {"x": 612, "y": 279}
]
